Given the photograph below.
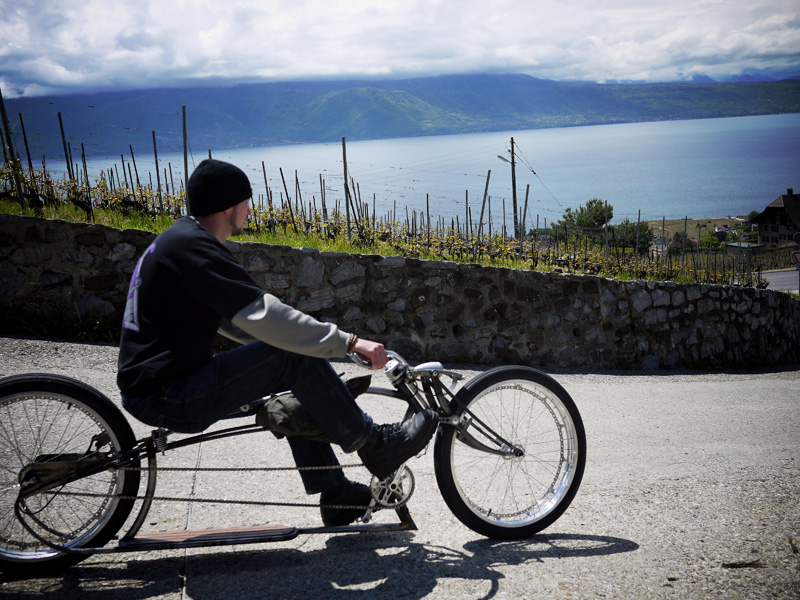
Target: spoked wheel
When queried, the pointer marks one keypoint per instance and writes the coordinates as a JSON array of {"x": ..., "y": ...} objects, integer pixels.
[
  {"x": 515, "y": 461},
  {"x": 51, "y": 419}
]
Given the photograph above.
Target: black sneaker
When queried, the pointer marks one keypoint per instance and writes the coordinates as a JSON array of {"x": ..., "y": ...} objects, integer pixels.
[
  {"x": 346, "y": 493},
  {"x": 392, "y": 445}
]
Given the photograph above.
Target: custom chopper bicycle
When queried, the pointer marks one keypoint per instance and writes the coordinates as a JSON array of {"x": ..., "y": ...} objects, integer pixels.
[{"x": 509, "y": 455}]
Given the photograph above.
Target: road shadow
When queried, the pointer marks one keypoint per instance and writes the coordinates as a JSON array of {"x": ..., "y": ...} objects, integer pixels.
[{"x": 350, "y": 566}]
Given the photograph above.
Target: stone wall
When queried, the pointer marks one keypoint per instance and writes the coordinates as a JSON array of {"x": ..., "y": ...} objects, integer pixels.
[{"x": 456, "y": 313}]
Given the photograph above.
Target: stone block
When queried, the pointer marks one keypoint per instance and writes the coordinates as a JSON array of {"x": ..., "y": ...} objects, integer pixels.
[
  {"x": 693, "y": 293},
  {"x": 398, "y": 305},
  {"x": 311, "y": 273},
  {"x": 31, "y": 254},
  {"x": 347, "y": 271},
  {"x": 661, "y": 298},
  {"x": 122, "y": 251},
  {"x": 11, "y": 283},
  {"x": 93, "y": 237},
  {"x": 274, "y": 282},
  {"x": 354, "y": 313},
  {"x": 257, "y": 260},
  {"x": 98, "y": 283},
  {"x": 641, "y": 301},
  {"x": 346, "y": 294},
  {"x": 376, "y": 324},
  {"x": 650, "y": 363},
  {"x": 93, "y": 306},
  {"x": 316, "y": 301},
  {"x": 391, "y": 262},
  {"x": 77, "y": 257}
]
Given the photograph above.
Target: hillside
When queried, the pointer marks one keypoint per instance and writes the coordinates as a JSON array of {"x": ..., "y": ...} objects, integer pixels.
[
  {"x": 250, "y": 115},
  {"x": 693, "y": 227}
]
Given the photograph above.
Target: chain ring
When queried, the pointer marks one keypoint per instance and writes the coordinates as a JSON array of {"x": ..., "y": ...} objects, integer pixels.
[{"x": 394, "y": 491}]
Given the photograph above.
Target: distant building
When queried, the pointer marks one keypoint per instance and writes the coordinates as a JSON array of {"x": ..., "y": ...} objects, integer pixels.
[
  {"x": 721, "y": 231},
  {"x": 780, "y": 221},
  {"x": 745, "y": 248},
  {"x": 721, "y": 235},
  {"x": 658, "y": 247}
]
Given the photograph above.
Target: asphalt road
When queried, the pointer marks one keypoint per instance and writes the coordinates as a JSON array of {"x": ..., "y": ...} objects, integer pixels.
[
  {"x": 691, "y": 491},
  {"x": 783, "y": 280}
]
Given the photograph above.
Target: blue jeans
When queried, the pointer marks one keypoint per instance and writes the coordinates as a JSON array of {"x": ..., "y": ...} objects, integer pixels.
[{"x": 193, "y": 402}]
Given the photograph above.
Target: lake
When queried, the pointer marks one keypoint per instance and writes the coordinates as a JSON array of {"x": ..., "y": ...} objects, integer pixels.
[{"x": 673, "y": 169}]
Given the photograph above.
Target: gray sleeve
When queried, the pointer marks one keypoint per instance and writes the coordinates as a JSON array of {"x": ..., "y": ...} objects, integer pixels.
[
  {"x": 232, "y": 332},
  {"x": 271, "y": 321}
]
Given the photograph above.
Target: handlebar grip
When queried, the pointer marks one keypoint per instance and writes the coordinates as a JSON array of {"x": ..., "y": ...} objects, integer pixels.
[
  {"x": 358, "y": 360},
  {"x": 363, "y": 363}
]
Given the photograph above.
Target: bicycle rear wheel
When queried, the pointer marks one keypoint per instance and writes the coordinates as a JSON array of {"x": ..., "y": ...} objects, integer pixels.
[
  {"x": 49, "y": 418},
  {"x": 515, "y": 461}
]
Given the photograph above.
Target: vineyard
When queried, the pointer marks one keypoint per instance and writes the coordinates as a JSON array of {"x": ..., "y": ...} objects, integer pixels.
[{"x": 626, "y": 251}]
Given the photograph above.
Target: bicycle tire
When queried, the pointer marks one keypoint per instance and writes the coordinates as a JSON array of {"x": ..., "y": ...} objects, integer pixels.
[
  {"x": 508, "y": 496},
  {"x": 50, "y": 415}
]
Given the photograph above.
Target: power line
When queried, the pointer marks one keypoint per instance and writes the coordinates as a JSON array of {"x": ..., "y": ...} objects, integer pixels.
[{"x": 528, "y": 165}]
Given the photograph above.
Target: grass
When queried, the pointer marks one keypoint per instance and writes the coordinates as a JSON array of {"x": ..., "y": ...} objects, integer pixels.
[
  {"x": 572, "y": 251},
  {"x": 691, "y": 226},
  {"x": 495, "y": 252},
  {"x": 110, "y": 217},
  {"x": 281, "y": 236}
]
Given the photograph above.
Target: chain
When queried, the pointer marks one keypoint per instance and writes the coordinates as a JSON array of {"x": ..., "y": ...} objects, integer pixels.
[
  {"x": 219, "y": 501},
  {"x": 223, "y": 469},
  {"x": 242, "y": 502}
]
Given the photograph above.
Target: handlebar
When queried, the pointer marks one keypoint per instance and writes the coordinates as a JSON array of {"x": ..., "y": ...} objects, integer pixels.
[
  {"x": 397, "y": 368},
  {"x": 393, "y": 356}
]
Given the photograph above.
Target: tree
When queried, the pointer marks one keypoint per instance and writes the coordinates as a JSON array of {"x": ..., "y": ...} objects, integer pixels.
[
  {"x": 710, "y": 239},
  {"x": 588, "y": 220},
  {"x": 681, "y": 241},
  {"x": 625, "y": 235}
]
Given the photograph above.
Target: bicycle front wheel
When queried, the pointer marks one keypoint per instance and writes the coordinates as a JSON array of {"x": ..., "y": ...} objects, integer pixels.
[
  {"x": 514, "y": 462},
  {"x": 48, "y": 418}
]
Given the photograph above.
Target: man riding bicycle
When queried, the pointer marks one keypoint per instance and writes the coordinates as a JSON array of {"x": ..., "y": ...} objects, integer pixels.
[{"x": 187, "y": 287}]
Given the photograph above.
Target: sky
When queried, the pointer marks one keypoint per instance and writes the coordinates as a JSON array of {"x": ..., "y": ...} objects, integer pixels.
[{"x": 53, "y": 46}]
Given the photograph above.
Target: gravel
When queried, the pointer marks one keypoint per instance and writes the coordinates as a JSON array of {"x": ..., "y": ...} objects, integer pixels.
[{"x": 691, "y": 491}]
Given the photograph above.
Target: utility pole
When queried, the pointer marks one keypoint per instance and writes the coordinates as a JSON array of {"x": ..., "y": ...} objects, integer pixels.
[
  {"x": 346, "y": 188},
  {"x": 185, "y": 149},
  {"x": 514, "y": 190}
]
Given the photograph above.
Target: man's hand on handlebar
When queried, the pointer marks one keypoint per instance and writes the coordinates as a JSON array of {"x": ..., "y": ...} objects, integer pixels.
[{"x": 371, "y": 352}]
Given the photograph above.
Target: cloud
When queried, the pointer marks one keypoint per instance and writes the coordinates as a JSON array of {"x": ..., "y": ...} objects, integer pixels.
[{"x": 49, "y": 45}]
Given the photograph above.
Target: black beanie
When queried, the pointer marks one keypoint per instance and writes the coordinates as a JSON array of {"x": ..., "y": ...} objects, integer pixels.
[{"x": 216, "y": 186}]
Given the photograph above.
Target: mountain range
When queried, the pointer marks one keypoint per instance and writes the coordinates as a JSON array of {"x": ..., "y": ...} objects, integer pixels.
[{"x": 261, "y": 114}]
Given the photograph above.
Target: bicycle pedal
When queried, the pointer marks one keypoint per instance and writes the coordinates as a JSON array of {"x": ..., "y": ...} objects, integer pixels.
[{"x": 395, "y": 490}]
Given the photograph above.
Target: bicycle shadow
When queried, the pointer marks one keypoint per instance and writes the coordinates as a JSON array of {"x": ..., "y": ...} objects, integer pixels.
[{"x": 350, "y": 566}]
